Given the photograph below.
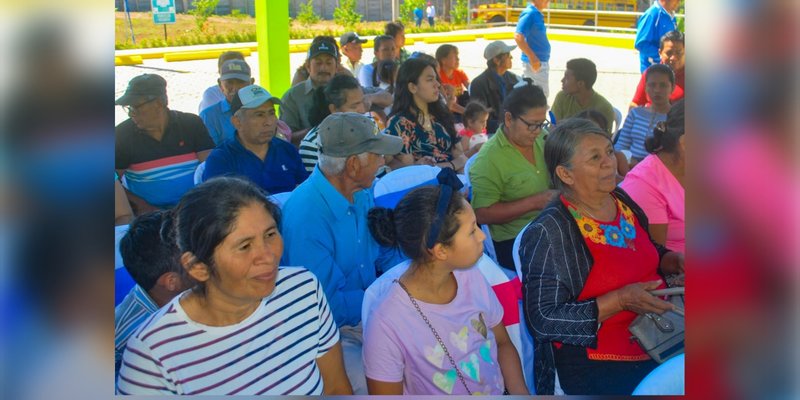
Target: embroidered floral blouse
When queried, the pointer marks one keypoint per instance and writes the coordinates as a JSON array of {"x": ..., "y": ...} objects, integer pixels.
[{"x": 419, "y": 142}]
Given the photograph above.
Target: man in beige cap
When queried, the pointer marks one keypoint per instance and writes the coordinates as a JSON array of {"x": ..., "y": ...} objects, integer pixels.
[
  {"x": 325, "y": 224},
  {"x": 493, "y": 84}
]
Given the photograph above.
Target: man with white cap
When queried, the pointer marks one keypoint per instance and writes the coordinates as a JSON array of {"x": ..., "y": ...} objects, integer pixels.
[
  {"x": 350, "y": 43},
  {"x": 157, "y": 149},
  {"x": 254, "y": 151},
  {"x": 234, "y": 75},
  {"x": 493, "y": 84},
  {"x": 325, "y": 224}
]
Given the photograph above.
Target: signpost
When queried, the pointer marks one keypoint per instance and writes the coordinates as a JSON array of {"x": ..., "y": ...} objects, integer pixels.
[{"x": 163, "y": 13}]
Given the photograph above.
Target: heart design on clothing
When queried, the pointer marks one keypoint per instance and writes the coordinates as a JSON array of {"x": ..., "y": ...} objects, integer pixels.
[
  {"x": 480, "y": 326},
  {"x": 471, "y": 368},
  {"x": 445, "y": 381},
  {"x": 435, "y": 355},
  {"x": 486, "y": 351},
  {"x": 460, "y": 339}
]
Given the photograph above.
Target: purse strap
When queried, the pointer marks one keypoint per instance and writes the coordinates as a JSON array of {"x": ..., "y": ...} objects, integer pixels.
[
  {"x": 436, "y": 335},
  {"x": 673, "y": 291}
]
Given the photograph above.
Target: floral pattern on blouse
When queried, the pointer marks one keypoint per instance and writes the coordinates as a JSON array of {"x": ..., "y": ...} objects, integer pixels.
[
  {"x": 619, "y": 233},
  {"x": 419, "y": 142}
]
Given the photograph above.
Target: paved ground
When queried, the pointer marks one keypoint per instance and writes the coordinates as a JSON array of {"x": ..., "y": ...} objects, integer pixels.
[{"x": 618, "y": 71}]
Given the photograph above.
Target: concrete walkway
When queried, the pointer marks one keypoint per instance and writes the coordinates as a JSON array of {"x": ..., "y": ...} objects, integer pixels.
[{"x": 618, "y": 68}]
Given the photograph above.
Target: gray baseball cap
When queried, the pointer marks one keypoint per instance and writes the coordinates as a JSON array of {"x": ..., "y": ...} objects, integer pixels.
[
  {"x": 235, "y": 69},
  {"x": 496, "y": 48},
  {"x": 349, "y": 133},
  {"x": 143, "y": 88}
]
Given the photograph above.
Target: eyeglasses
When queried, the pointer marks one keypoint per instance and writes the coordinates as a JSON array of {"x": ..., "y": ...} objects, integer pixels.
[
  {"x": 535, "y": 126},
  {"x": 134, "y": 109}
]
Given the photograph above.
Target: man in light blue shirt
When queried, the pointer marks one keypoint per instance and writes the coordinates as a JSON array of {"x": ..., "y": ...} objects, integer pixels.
[
  {"x": 657, "y": 21},
  {"x": 325, "y": 223},
  {"x": 531, "y": 37},
  {"x": 235, "y": 74}
]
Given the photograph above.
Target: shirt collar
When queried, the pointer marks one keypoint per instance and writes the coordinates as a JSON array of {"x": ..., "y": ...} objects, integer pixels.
[
  {"x": 309, "y": 86},
  {"x": 335, "y": 200},
  {"x": 142, "y": 295},
  {"x": 225, "y": 106}
]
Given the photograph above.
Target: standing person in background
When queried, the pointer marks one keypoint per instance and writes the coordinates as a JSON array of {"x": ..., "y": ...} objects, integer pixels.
[
  {"x": 431, "y": 13},
  {"x": 418, "y": 16},
  {"x": 531, "y": 37},
  {"x": 658, "y": 20},
  {"x": 673, "y": 54}
]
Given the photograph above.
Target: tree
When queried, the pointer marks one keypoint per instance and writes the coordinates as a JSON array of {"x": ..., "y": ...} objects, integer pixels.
[
  {"x": 201, "y": 11},
  {"x": 460, "y": 12},
  {"x": 307, "y": 16},
  {"x": 346, "y": 14}
]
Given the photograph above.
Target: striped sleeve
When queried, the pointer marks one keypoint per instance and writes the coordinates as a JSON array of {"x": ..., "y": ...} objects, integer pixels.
[
  {"x": 309, "y": 150},
  {"x": 141, "y": 372},
  {"x": 328, "y": 332}
]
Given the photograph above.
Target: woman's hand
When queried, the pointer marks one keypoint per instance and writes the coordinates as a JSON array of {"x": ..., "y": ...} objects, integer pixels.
[
  {"x": 635, "y": 297},
  {"x": 425, "y": 160},
  {"x": 672, "y": 263}
]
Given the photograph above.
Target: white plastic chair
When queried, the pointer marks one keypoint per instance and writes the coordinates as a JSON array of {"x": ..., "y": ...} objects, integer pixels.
[
  {"x": 617, "y": 121},
  {"x": 488, "y": 244},
  {"x": 198, "y": 173},
  {"x": 279, "y": 199},
  {"x": 394, "y": 185},
  {"x": 667, "y": 379}
]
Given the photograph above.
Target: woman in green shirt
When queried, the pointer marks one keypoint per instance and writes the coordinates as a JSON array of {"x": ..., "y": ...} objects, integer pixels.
[{"x": 510, "y": 183}]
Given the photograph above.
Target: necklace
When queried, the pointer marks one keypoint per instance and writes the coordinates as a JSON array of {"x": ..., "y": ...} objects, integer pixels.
[{"x": 581, "y": 207}]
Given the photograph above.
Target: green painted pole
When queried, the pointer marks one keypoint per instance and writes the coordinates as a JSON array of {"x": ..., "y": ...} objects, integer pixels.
[{"x": 272, "y": 33}]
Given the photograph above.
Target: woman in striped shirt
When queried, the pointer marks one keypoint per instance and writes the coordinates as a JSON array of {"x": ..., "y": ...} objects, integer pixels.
[{"x": 248, "y": 326}]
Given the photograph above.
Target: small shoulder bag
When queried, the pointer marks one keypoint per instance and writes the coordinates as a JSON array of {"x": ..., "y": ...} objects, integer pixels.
[{"x": 662, "y": 336}]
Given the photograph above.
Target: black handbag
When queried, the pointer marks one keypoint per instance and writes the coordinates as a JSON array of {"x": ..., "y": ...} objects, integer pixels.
[{"x": 662, "y": 336}]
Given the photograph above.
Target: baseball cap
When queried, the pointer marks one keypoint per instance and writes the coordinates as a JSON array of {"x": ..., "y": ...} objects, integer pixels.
[
  {"x": 496, "y": 48},
  {"x": 322, "y": 47},
  {"x": 349, "y": 37},
  {"x": 349, "y": 133},
  {"x": 235, "y": 69},
  {"x": 143, "y": 88},
  {"x": 254, "y": 96}
]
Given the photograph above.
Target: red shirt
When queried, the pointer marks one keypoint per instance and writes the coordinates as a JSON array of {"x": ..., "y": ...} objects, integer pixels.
[
  {"x": 641, "y": 98},
  {"x": 623, "y": 254},
  {"x": 459, "y": 80}
]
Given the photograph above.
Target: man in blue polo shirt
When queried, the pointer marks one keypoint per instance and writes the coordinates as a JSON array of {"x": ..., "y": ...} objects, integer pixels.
[
  {"x": 531, "y": 37},
  {"x": 325, "y": 223},
  {"x": 657, "y": 21},
  {"x": 234, "y": 75},
  {"x": 254, "y": 152}
]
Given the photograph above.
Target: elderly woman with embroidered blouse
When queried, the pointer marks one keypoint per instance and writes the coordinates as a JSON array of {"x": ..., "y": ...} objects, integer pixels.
[{"x": 587, "y": 264}]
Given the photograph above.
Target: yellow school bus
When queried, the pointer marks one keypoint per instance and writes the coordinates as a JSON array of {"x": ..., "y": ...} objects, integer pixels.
[{"x": 494, "y": 12}]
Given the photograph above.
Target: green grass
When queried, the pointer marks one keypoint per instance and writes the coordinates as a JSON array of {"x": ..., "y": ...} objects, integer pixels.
[{"x": 231, "y": 29}]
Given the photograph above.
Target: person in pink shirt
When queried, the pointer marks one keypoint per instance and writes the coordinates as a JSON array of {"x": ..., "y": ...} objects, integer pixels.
[
  {"x": 657, "y": 182},
  {"x": 438, "y": 329}
]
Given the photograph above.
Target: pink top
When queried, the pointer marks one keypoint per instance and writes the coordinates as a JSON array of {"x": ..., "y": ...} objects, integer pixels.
[
  {"x": 661, "y": 196},
  {"x": 399, "y": 346}
]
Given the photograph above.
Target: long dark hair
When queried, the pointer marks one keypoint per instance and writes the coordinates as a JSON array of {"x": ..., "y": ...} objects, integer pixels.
[{"x": 409, "y": 72}]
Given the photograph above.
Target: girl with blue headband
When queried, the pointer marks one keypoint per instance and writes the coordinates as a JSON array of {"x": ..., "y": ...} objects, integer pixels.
[{"x": 438, "y": 329}]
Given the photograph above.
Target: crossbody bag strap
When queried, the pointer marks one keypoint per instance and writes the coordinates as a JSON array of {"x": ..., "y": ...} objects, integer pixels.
[{"x": 436, "y": 335}]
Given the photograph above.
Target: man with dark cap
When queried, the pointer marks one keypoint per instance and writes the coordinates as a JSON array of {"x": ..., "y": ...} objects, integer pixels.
[
  {"x": 350, "y": 43},
  {"x": 335, "y": 201},
  {"x": 234, "y": 75},
  {"x": 157, "y": 149},
  {"x": 297, "y": 102}
]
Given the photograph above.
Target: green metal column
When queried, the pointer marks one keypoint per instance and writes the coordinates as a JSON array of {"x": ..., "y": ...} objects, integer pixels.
[{"x": 272, "y": 29}]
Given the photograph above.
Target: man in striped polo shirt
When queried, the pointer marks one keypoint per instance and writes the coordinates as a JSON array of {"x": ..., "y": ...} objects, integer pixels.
[{"x": 157, "y": 149}]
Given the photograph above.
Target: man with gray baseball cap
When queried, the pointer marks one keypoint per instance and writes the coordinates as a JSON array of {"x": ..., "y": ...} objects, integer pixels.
[
  {"x": 325, "y": 224},
  {"x": 234, "y": 75},
  {"x": 493, "y": 84}
]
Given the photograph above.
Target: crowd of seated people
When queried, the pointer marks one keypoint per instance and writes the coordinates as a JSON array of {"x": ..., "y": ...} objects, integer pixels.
[{"x": 237, "y": 292}]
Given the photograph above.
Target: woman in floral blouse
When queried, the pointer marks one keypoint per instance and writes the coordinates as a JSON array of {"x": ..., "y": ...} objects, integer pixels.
[
  {"x": 422, "y": 120},
  {"x": 588, "y": 263}
]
